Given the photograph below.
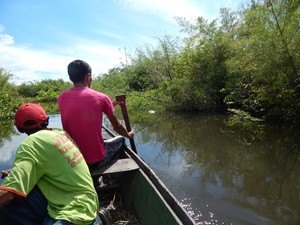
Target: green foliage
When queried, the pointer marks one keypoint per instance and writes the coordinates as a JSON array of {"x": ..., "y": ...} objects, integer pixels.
[
  {"x": 9, "y": 100},
  {"x": 50, "y": 107},
  {"x": 4, "y": 77},
  {"x": 139, "y": 78},
  {"x": 246, "y": 60},
  {"x": 9, "y": 104},
  {"x": 34, "y": 89},
  {"x": 143, "y": 106},
  {"x": 143, "y": 102},
  {"x": 47, "y": 96},
  {"x": 28, "y": 90},
  {"x": 264, "y": 69},
  {"x": 241, "y": 118},
  {"x": 113, "y": 83},
  {"x": 186, "y": 96},
  {"x": 153, "y": 67},
  {"x": 44, "y": 92},
  {"x": 139, "y": 74},
  {"x": 200, "y": 69},
  {"x": 12, "y": 96}
]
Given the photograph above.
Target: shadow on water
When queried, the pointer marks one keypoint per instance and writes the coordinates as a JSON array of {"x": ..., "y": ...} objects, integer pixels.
[
  {"x": 221, "y": 174},
  {"x": 226, "y": 174}
]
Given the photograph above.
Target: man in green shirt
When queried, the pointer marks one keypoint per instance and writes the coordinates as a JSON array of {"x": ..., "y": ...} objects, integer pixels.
[{"x": 49, "y": 182}]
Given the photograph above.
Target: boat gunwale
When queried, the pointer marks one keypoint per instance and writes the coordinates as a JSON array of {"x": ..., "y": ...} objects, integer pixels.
[{"x": 164, "y": 192}]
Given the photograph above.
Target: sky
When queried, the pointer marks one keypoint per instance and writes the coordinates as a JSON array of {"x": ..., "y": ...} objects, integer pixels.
[{"x": 39, "y": 38}]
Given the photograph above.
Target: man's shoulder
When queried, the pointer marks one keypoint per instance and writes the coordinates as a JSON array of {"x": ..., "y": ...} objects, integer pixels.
[
  {"x": 64, "y": 93},
  {"x": 67, "y": 90},
  {"x": 93, "y": 91},
  {"x": 83, "y": 90},
  {"x": 46, "y": 134},
  {"x": 97, "y": 94},
  {"x": 43, "y": 138}
]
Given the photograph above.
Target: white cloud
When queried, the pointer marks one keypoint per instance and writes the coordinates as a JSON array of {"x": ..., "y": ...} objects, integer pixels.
[
  {"x": 6, "y": 39},
  {"x": 168, "y": 9},
  {"x": 30, "y": 64},
  {"x": 101, "y": 57},
  {"x": 27, "y": 63},
  {"x": 108, "y": 34}
]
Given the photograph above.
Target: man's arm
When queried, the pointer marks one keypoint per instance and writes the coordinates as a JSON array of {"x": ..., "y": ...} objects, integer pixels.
[
  {"x": 6, "y": 197},
  {"x": 118, "y": 127}
]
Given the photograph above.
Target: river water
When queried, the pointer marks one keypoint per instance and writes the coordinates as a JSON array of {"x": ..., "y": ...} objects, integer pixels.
[{"x": 220, "y": 174}]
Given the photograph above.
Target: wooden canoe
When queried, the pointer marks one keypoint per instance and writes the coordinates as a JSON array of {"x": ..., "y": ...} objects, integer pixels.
[{"x": 143, "y": 193}]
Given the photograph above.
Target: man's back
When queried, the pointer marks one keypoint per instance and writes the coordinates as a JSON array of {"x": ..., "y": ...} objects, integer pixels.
[
  {"x": 81, "y": 111},
  {"x": 51, "y": 161}
]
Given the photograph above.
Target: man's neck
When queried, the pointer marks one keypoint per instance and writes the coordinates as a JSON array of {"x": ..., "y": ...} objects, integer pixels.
[
  {"x": 32, "y": 131},
  {"x": 79, "y": 85}
]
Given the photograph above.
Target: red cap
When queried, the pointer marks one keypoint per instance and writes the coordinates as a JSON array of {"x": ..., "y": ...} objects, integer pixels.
[{"x": 30, "y": 112}]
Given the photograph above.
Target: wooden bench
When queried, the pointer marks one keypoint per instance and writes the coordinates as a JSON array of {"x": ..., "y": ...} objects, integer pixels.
[{"x": 117, "y": 166}]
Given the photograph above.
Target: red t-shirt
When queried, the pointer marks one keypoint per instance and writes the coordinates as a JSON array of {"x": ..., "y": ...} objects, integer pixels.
[{"x": 81, "y": 112}]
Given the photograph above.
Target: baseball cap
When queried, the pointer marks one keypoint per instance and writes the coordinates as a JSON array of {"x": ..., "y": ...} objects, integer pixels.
[{"x": 30, "y": 116}]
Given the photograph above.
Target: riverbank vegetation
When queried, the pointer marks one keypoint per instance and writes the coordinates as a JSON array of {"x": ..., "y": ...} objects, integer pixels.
[{"x": 244, "y": 61}]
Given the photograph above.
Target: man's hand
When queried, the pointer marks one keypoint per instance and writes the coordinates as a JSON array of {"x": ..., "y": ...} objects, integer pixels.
[
  {"x": 115, "y": 103},
  {"x": 4, "y": 173},
  {"x": 130, "y": 134}
]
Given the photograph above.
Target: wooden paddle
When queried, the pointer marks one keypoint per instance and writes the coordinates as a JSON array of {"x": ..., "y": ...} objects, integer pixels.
[{"x": 122, "y": 98}]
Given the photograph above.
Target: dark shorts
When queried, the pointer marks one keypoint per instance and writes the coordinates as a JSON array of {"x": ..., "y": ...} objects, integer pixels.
[
  {"x": 113, "y": 148},
  {"x": 25, "y": 211},
  {"x": 31, "y": 211}
]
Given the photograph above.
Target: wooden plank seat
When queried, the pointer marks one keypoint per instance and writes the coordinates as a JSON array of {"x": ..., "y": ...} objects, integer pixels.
[{"x": 117, "y": 166}]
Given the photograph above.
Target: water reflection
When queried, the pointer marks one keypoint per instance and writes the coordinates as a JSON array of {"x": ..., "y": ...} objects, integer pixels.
[
  {"x": 220, "y": 174},
  {"x": 6, "y": 130},
  {"x": 231, "y": 174}
]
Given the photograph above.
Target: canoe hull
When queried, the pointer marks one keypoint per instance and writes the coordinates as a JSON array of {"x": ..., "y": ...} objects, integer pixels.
[
  {"x": 145, "y": 195},
  {"x": 144, "y": 200}
]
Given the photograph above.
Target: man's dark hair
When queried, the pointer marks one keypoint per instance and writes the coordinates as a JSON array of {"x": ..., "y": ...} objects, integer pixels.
[
  {"x": 77, "y": 70},
  {"x": 33, "y": 130}
]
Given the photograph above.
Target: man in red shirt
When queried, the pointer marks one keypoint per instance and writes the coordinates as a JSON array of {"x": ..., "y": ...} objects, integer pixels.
[{"x": 82, "y": 110}]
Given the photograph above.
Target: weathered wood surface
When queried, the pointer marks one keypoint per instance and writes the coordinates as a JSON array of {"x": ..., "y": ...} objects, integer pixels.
[{"x": 117, "y": 166}]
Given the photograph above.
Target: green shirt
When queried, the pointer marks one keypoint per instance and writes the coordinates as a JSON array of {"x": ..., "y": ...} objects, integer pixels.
[{"x": 51, "y": 160}]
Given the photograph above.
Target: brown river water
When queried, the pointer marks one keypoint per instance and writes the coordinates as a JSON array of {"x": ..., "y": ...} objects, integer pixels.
[{"x": 219, "y": 173}]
